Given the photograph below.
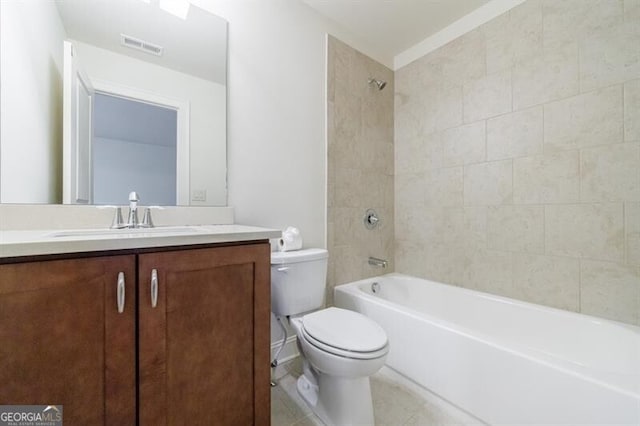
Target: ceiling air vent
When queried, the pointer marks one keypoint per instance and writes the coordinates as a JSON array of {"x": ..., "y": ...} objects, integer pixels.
[{"x": 144, "y": 46}]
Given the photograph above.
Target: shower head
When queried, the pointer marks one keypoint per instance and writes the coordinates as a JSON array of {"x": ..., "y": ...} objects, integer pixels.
[{"x": 378, "y": 83}]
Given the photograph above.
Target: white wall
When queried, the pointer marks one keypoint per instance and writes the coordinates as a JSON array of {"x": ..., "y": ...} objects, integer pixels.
[
  {"x": 31, "y": 36},
  {"x": 206, "y": 106},
  {"x": 277, "y": 114},
  {"x": 276, "y": 140}
]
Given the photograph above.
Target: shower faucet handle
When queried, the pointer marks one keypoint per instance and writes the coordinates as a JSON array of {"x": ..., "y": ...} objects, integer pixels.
[{"x": 371, "y": 219}]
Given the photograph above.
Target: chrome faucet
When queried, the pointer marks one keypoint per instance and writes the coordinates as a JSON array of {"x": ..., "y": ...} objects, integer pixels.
[
  {"x": 374, "y": 261},
  {"x": 132, "y": 222}
]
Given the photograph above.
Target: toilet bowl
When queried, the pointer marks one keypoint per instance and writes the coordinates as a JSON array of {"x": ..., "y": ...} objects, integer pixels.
[{"x": 340, "y": 348}]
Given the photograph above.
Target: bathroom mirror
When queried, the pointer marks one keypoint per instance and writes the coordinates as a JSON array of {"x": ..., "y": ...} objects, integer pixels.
[{"x": 103, "y": 97}]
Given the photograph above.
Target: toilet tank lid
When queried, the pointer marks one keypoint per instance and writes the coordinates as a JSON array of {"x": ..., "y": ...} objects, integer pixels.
[{"x": 305, "y": 255}]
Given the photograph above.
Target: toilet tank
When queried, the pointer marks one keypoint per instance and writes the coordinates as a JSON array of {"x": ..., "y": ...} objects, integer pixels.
[{"x": 298, "y": 281}]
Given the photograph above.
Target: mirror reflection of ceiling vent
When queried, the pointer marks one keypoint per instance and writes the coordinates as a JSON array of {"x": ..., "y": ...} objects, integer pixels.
[{"x": 144, "y": 46}]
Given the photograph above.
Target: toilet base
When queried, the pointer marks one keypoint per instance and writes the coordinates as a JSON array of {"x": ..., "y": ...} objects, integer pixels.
[
  {"x": 307, "y": 390},
  {"x": 338, "y": 401}
]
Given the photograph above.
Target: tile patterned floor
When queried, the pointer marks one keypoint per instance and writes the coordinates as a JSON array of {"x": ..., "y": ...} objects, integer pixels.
[{"x": 396, "y": 403}]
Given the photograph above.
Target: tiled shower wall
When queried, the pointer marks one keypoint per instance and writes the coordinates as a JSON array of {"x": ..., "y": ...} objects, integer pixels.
[
  {"x": 360, "y": 165},
  {"x": 517, "y": 167}
]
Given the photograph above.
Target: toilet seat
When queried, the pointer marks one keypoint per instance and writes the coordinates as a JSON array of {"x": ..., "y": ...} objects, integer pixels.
[
  {"x": 344, "y": 353},
  {"x": 345, "y": 333}
]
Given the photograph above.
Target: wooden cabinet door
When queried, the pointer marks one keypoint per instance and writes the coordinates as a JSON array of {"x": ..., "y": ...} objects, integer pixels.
[
  {"x": 63, "y": 341},
  {"x": 204, "y": 347}
]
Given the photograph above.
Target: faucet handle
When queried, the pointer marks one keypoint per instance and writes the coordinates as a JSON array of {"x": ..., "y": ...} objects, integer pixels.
[
  {"x": 117, "y": 222},
  {"x": 147, "y": 222},
  {"x": 133, "y": 196}
]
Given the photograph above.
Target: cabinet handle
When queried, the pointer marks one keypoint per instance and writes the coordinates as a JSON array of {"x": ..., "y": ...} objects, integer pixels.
[
  {"x": 120, "y": 292},
  {"x": 154, "y": 288}
]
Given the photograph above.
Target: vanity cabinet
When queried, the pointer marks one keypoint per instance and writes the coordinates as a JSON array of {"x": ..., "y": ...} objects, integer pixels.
[
  {"x": 63, "y": 341},
  {"x": 204, "y": 347},
  {"x": 191, "y": 345}
]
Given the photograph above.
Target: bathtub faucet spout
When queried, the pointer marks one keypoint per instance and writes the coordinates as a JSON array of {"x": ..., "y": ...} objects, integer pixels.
[{"x": 374, "y": 261}]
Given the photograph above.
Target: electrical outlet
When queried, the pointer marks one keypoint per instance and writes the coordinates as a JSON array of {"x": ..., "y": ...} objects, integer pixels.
[{"x": 199, "y": 195}]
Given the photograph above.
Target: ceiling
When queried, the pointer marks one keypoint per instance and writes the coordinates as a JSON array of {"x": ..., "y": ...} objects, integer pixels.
[
  {"x": 393, "y": 26},
  {"x": 195, "y": 46}
]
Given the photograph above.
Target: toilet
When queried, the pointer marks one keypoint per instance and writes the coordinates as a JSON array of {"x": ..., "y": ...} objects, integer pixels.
[{"x": 340, "y": 348}]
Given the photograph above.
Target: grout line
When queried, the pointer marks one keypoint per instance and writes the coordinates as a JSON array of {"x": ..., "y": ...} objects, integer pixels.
[
  {"x": 580, "y": 285},
  {"x": 580, "y": 196},
  {"x": 625, "y": 233}
]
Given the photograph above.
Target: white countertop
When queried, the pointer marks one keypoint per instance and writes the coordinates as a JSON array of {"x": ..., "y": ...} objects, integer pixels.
[{"x": 44, "y": 242}]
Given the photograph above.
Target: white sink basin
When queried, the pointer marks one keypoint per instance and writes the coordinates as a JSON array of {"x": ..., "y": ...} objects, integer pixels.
[{"x": 161, "y": 230}]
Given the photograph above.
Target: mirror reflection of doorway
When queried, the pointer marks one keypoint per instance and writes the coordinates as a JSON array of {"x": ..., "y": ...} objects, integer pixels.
[{"x": 134, "y": 149}]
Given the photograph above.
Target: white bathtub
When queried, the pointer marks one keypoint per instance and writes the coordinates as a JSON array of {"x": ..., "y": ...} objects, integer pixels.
[{"x": 502, "y": 360}]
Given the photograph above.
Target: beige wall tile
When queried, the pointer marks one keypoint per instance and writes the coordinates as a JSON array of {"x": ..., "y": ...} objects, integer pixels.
[
  {"x": 632, "y": 109},
  {"x": 488, "y": 183},
  {"x": 610, "y": 290},
  {"x": 445, "y": 107},
  {"x": 388, "y": 191},
  {"x": 518, "y": 134},
  {"x": 514, "y": 36},
  {"x": 610, "y": 58},
  {"x": 418, "y": 154},
  {"x": 547, "y": 280},
  {"x": 349, "y": 263},
  {"x": 408, "y": 118},
  {"x": 487, "y": 97},
  {"x": 377, "y": 123},
  {"x": 373, "y": 189},
  {"x": 551, "y": 178},
  {"x": 410, "y": 257},
  {"x": 405, "y": 80},
  {"x": 442, "y": 264},
  {"x": 561, "y": 141},
  {"x": 516, "y": 228},
  {"x": 460, "y": 60},
  {"x": 409, "y": 189},
  {"x": 456, "y": 228},
  {"x": 632, "y": 10},
  {"x": 360, "y": 133},
  {"x": 473, "y": 232},
  {"x": 439, "y": 106},
  {"x": 499, "y": 48},
  {"x": 346, "y": 186},
  {"x": 490, "y": 271},
  {"x": 611, "y": 173},
  {"x": 347, "y": 119},
  {"x": 464, "y": 145},
  {"x": 418, "y": 223},
  {"x": 443, "y": 187},
  {"x": 551, "y": 75},
  {"x": 593, "y": 118},
  {"x": 570, "y": 20},
  {"x": 410, "y": 155},
  {"x": 429, "y": 225},
  {"x": 594, "y": 231},
  {"x": 632, "y": 229},
  {"x": 347, "y": 226}
]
